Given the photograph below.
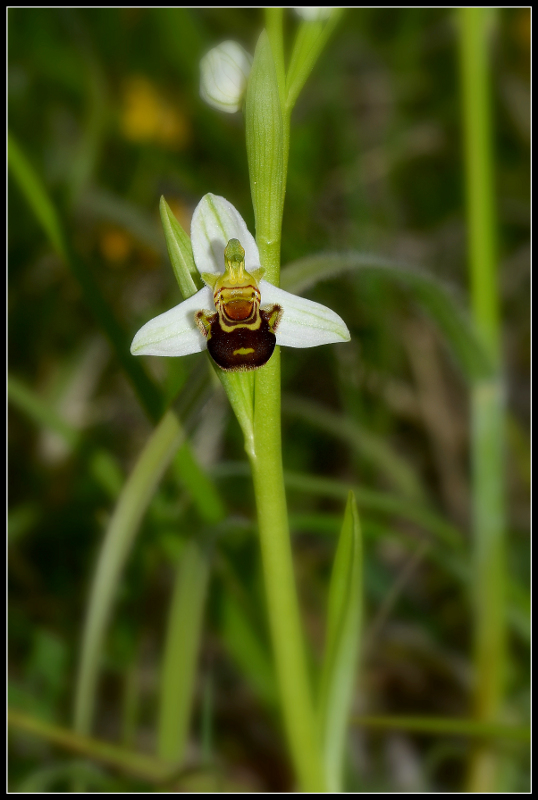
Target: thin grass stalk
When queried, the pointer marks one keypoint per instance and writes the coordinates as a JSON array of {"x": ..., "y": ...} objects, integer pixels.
[
  {"x": 130, "y": 509},
  {"x": 487, "y": 396},
  {"x": 176, "y": 695}
]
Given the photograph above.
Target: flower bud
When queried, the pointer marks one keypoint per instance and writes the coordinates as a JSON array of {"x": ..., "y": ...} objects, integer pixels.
[
  {"x": 314, "y": 14},
  {"x": 224, "y": 74}
]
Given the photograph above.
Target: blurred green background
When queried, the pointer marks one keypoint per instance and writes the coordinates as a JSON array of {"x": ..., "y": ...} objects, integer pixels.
[{"x": 105, "y": 105}]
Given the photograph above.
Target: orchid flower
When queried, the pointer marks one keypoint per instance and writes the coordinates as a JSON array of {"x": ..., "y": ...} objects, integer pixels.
[
  {"x": 224, "y": 74},
  {"x": 238, "y": 316}
]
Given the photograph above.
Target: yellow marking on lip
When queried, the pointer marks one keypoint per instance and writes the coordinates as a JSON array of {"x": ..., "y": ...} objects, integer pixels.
[{"x": 243, "y": 351}]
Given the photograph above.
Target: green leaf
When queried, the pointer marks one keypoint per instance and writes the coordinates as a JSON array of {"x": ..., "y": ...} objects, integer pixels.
[
  {"x": 273, "y": 26},
  {"x": 40, "y": 411},
  {"x": 311, "y": 38},
  {"x": 132, "y": 763},
  {"x": 436, "y": 298},
  {"x": 342, "y": 645},
  {"x": 447, "y": 726},
  {"x": 36, "y": 195},
  {"x": 42, "y": 206},
  {"x": 264, "y": 132},
  {"x": 120, "y": 535},
  {"x": 180, "y": 252},
  {"x": 244, "y": 644},
  {"x": 368, "y": 445},
  {"x": 176, "y": 691},
  {"x": 239, "y": 386}
]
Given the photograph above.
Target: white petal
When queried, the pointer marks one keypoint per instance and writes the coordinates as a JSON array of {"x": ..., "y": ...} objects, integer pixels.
[
  {"x": 304, "y": 323},
  {"x": 215, "y": 221},
  {"x": 174, "y": 333}
]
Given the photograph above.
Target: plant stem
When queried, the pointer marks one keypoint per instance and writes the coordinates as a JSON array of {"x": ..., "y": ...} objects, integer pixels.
[
  {"x": 268, "y": 148},
  {"x": 487, "y": 396},
  {"x": 282, "y": 602}
]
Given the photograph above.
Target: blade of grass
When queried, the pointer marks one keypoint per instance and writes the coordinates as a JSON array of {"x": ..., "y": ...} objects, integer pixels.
[
  {"x": 368, "y": 499},
  {"x": 369, "y": 446},
  {"x": 310, "y": 40},
  {"x": 176, "y": 690},
  {"x": 101, "y": 464},
  {"x": 437, "y": 299},
  {"x": 341, "y": 645},
  {"x": 120, "y": 535},
  {"x": 446, "y": 726},
  {"x": 136, "y": 764},
  {"x": 34, "y": 192},
  {"x": 248, "y": 651},
  {"x": 45, "y": 780},
  {"x": 151, "y": 398},
  {"x": 39, "y": 411},
  {"x": 489, "y": 555},
  {"x": 130, "y": 509},
  {"x": 40, "y": 203}
]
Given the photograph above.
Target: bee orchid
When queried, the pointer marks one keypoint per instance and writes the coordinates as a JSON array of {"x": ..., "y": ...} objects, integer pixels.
[{"x": 238, "y": 315}]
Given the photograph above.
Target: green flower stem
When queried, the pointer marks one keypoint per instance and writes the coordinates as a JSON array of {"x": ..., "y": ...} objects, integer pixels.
[
  {"x": 487, "y": 395},
  {"x": 270, "y": 99},
  {"x": 282, "y": 602},
  {"x": 268, "y": 148}
]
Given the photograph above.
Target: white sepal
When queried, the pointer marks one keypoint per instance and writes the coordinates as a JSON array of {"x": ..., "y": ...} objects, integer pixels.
[
  {"x": 224, "y": 74},
  {"x": 215, "y": 221},
  {"x": 304, "y": 323},
  {"x": 174, "y": 333}
]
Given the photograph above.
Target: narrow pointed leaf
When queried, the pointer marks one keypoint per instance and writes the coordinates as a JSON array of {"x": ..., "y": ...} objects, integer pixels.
[
  {"x": 373, "y": 448},
  {"x": 36, "y": 194},
  {"x": 341, "y": 645},
  {"x": 311, "y": 38},
  {"x": 437, "y": 299},
  {"x": 246, "y": 647},
  {"x": 180, "y": 252},
  {"x": 239, "y": 387},
  {"x": 176, "y": 691},
  {"x": 39, "y": 201},
  {"x": 132, "y": 504},
  {"x": 120, "y": 535}
]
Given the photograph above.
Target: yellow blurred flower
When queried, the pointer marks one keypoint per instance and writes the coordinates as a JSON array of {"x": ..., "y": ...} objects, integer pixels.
[
  {"x": 147, "y": 116},
  {"x": 115, "y": 245}
]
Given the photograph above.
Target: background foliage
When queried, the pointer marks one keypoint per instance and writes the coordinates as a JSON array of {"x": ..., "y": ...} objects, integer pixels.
[{"x": 105, "y": 105}]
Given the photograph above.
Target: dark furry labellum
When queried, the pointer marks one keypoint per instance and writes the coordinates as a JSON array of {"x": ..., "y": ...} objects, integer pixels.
[{"x": 240, "y": 335}]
